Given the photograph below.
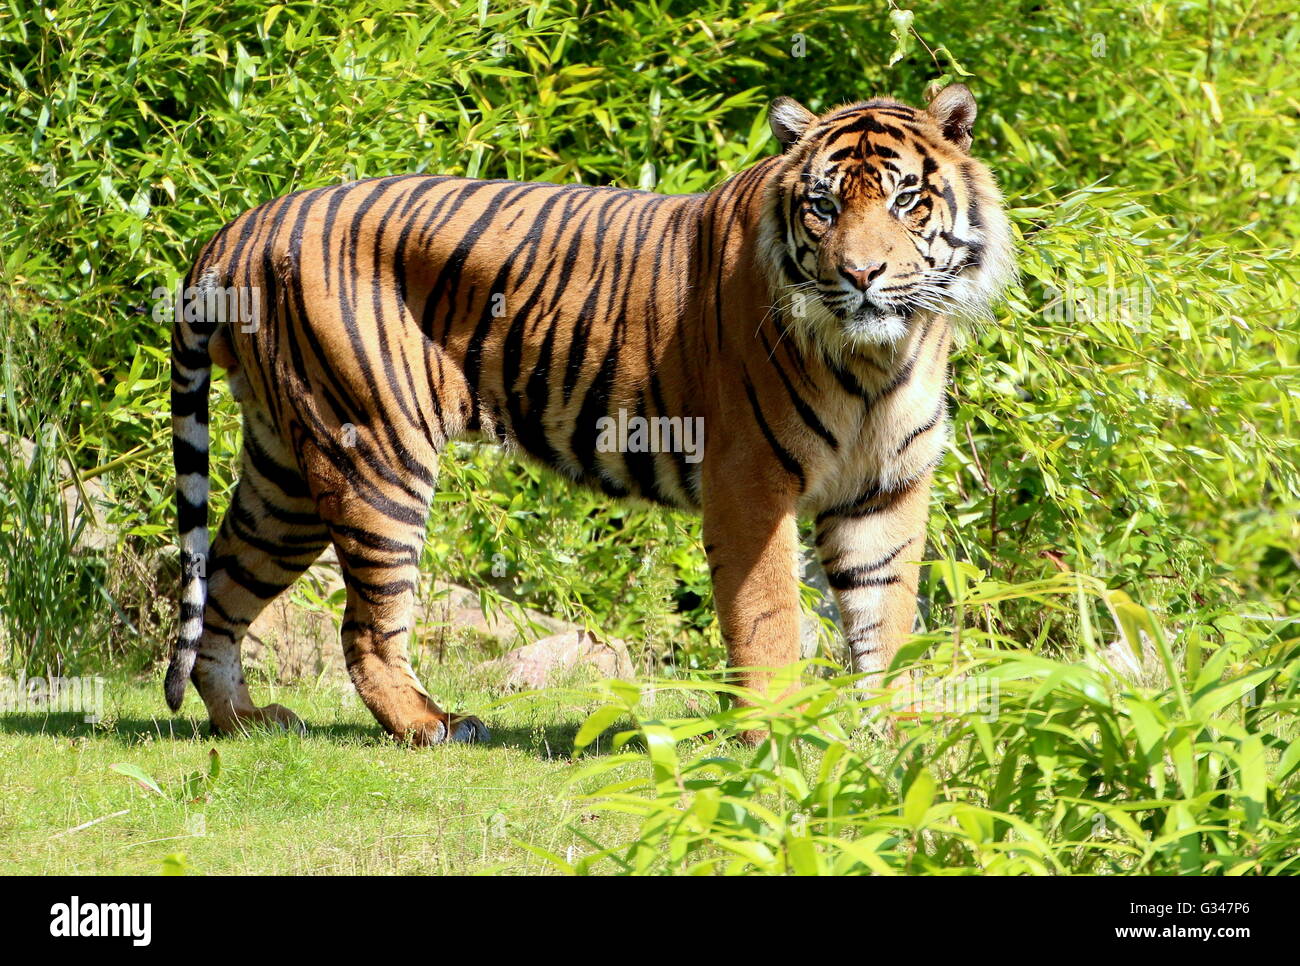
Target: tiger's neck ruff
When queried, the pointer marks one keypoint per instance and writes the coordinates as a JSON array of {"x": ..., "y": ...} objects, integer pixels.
[{"x": 800, "y": 314}]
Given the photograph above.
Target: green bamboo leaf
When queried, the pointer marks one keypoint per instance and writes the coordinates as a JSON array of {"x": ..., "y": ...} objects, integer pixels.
[
  {"x": 918, "y": 799},
  {"x": 1252, "y": 764},
  {"x": 596, "y": 724},
  {"x": 900, "y": 28},
  {"x": 138, "y": 774}
]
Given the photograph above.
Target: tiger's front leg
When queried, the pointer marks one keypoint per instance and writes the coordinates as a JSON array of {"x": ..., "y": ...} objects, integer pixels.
[
  {"x": 870, "y": 549},
  {"x": 751, "y": 538}
]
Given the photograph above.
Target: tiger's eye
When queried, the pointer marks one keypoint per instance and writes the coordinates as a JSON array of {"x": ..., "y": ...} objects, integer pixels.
[
  {"x": 907, "y": 200},
  {"x": 823, "y": 207}
]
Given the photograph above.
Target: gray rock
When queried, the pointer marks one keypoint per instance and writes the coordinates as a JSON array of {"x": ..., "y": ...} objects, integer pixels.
[
  {"x": 811, "y": 629},
  {"x": 293, "y": 639},
  {"x": 537, "y": 665}
]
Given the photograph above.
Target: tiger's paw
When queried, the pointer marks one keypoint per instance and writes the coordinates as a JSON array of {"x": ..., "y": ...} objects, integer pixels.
[
  {"x": 467, "y": 728},
  {"x": 450, "y": 728},
  {"x": 273, "y": 716}
]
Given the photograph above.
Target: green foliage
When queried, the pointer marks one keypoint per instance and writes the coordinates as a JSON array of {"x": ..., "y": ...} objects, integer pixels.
[
  {"x": 46, "y": 585},
  {"x": 194, "y": 787},
  {"x": 1131, "y": 407},
  {"x": 1004, "y": 763},
  {"x": 1129, "y": 415}
]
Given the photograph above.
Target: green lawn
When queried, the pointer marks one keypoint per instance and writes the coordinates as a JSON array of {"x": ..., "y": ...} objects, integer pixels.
[
  {"x": 345, "y": 799},
  {"x": 1070, "y": 770}
]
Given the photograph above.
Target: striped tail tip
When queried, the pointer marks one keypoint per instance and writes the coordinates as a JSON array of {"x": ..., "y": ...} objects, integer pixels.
[
  {"x": 187, "y": 641},
  {"x": 178, "y": 674}
]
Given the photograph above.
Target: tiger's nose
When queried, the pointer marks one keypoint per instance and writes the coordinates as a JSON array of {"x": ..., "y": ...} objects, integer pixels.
[{"x": 861, "y": 278}]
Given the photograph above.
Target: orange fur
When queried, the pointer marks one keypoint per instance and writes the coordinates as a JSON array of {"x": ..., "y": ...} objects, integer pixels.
[{"x": 801, "y": 310}]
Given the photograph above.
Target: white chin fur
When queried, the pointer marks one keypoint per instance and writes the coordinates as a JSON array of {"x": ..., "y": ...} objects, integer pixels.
[
  {"x": 875, "y": 330},
  {"x": 811, "y": 323}
]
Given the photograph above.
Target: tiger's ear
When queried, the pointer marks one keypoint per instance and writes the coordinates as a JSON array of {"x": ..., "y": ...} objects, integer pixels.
[
  {"x": 789, "y": 119},
  {"x": 953, "y": 109}
]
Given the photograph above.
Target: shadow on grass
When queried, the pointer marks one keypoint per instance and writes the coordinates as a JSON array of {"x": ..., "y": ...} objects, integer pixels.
[
  {"x": 127, "y": 731},
  {"x": 545, "y": 741},
  {"x": 550, "y": 742}
]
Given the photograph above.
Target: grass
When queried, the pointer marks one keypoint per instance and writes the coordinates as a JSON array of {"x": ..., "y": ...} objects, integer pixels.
[
  {"x": 1189, "y": 767},
  {"x": 1147, "y": 443},
  {"x": 343, "y": 800}
]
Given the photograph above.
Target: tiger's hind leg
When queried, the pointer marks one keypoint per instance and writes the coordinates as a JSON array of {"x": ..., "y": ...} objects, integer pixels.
[
  {"x": 270, "y": 535},
  {"x": 376, "y": 518}
]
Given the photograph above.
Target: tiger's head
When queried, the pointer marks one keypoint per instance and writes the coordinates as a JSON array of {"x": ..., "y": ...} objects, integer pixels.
[{"x": 877, "y": 213}]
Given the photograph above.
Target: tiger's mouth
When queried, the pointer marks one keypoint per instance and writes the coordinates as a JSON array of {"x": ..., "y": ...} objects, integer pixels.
[{"x": 871, "y": 322}]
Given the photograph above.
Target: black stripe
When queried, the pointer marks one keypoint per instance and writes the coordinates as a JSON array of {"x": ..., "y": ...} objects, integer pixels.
[
  {"x": 805, "y": 411},
  {"x": 925, "y": 427},
  {"x": 849, "y": 578},
  {"x": 786, "y": 459}
]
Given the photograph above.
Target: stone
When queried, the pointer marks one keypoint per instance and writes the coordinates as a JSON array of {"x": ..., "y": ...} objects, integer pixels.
[
  {"x": 536, "y": 665},
  {"x": 293, "y": 639}
]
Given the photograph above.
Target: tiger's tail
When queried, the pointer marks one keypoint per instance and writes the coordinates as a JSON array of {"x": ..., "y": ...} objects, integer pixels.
[{"x": 192, "y": 328}]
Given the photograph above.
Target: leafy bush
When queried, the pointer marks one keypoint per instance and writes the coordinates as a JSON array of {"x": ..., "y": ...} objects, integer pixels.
[
  {"x": 1130, "y": 415},
  {"x": 1004, "y": 762},
  {"x": 46, "y": 582}
]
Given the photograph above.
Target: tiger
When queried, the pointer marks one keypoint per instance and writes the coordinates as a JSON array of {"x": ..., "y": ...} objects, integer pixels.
[{"x": 803, "y": 311}]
